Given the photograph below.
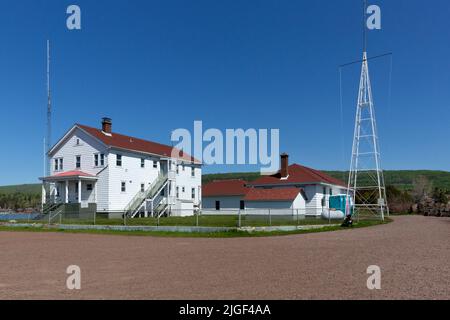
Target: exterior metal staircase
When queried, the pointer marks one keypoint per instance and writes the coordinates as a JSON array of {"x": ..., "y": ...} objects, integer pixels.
[
  {"x": 152, "y": 194},
  {"x": 161, "y": 209},
  {"x": 50, "y": 207},
  {"x": 50, "y": 211}
]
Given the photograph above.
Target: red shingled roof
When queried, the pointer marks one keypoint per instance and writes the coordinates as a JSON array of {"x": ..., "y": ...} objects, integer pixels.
[
  {"x": 135, "y": 144},
  {"x": 299, "y": 174},
  {"x": 277, "y": 194},
  {"x": 225, "y": 188},
  {"x": 74, "y": 173}
]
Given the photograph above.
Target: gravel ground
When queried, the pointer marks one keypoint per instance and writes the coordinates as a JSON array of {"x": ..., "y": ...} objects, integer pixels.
[{"x": 412, "y": 252}]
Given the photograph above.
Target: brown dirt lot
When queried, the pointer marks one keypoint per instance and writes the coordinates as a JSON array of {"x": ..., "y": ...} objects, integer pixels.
[{"x": 413, "y": 253}]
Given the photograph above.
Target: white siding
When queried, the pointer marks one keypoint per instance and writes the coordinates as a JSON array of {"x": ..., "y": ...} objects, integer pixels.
[
  {"x": 109, "y": 197},
  {"x": 277, "y": 207},
  {"x": 183, "y": 209},
  {"x": 314, "y": 199},
  {"x": 86, "y": 148},
  {"x": 184, "y": 179},
  {"x": 132, "y": 174},
  {"x": 103, "y": 190}
]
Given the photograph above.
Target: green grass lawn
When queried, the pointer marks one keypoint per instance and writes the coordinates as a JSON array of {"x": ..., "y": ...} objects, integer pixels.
[{"x": 228, "y": 234}]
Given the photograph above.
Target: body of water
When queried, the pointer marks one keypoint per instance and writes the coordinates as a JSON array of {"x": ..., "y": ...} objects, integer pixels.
[{"x": 6, "y": 216}]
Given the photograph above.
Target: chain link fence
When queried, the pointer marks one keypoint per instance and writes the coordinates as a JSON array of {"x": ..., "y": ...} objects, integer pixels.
[{"x": 200, "y": 218}]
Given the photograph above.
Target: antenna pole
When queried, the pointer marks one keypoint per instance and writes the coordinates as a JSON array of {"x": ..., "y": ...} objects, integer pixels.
[
  {"x": 364, "y": 26},
  {"x": 49, "y": 112}
]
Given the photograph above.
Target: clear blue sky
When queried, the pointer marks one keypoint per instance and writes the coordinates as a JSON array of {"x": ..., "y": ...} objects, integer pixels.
[{"x": 154, "y": 66}]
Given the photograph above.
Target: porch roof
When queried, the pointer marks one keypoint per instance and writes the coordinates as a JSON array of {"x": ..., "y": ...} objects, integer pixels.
[{"x": 70, "y": 175}]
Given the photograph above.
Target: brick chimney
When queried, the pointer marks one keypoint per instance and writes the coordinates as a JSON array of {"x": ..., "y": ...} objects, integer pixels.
[
  {"x": 284, "y": 171},
  {"x": 106, "y": 125}
]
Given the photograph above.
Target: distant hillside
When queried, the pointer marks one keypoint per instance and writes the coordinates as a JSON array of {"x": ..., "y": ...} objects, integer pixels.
[
  {"x": 402, "y": 179},
  {"x": 23, "y": 188}
]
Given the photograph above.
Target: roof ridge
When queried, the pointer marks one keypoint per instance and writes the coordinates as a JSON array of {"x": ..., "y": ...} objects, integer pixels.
[
  {"x": 127, "y": 142},
  {"x": 325, "y": 176},
  {"x": 126, "y": 136}
]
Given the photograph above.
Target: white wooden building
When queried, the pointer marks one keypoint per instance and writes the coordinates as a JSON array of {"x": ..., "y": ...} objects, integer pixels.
[
  {"x": 294, "y": 187},
  {"x": 103, "y": 171}
]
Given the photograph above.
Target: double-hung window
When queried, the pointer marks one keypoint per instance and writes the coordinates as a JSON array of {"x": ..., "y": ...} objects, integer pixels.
[
  {"x": 193, "y": 193},
  {"x": 58, "y": 164},
  {"x": 99, "y": 160},
  {"x": 119, "y": 160},
  {"x": 78, "y": 162}
]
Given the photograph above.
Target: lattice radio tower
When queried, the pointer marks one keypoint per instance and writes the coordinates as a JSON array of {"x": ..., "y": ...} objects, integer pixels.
[{"x": 366, "y": 180}]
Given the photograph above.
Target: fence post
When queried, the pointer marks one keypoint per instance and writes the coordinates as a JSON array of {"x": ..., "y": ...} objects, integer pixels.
[
  {"x": 196, "y": 218},
  {"x": 298, "y": 221},
  {"x": 239, "y": 218},
  {"x": 270, "y": 219},
  {"x": 95, "y": 216},
  {"x": 60, "y": 218}
]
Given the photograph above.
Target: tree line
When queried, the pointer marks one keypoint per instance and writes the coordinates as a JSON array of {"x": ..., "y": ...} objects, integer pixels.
[{"x": 18, "y": 201}]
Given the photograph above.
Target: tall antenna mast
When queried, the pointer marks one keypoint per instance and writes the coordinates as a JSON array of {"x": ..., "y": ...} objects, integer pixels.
[
  {"x": 366, "y": 180},
  {"x": 364, "y": 26},
  {"x": 49, "y": 112}
]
